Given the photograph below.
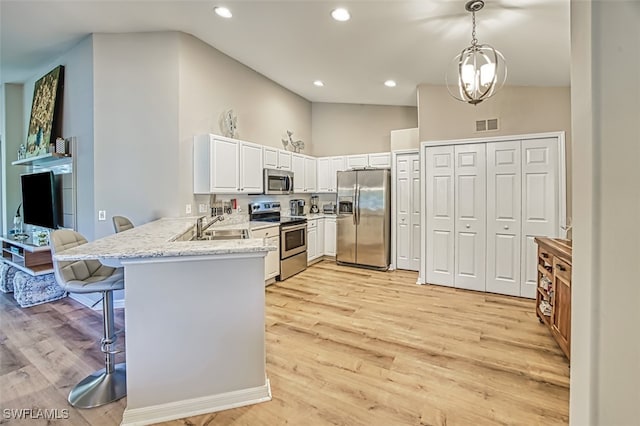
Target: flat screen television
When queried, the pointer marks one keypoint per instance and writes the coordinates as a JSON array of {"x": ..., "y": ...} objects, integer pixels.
[{"x": 41, "y": 200}]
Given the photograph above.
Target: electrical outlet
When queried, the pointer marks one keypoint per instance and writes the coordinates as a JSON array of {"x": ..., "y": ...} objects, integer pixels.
[
  {"x": 187, "y": 209},
  {"x": 102, "y": 215},
  {"x": 202, "y": 208}
]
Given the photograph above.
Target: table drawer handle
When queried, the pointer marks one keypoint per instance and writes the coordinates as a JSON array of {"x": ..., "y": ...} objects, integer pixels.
[{"x": 560, "y": 267}]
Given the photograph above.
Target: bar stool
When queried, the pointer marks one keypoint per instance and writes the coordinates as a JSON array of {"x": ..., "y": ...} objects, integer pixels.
[
  {"x": 90, "y": 276},
  {"x": 121, "y": 223}
]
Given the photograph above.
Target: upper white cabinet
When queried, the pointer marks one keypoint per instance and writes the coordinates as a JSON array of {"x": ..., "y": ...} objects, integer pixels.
[
  {"x": 274, "y": 158},
  {"x": 304, "y": 173},
  {"x": 328, "y": 168},
  {"x": 380, "y": 160},
  {"x": 226, "y": 166},
  {"x": 310, "y": 176},
  {"x": 357, "y": 161}
]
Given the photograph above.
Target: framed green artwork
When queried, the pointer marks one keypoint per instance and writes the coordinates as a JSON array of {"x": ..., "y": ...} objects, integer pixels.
[{"x": 45, "y": 124}]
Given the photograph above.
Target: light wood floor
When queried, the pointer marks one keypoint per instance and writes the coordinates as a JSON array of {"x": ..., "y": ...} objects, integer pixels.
[{"x": 345, "y": 346}]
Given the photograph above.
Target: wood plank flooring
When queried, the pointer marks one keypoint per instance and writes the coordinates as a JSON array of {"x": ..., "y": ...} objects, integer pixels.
[{"x": 345, "y": 346}]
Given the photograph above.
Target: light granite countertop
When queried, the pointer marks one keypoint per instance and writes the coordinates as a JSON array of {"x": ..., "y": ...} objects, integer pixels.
[{"x": 155, "y": 239}]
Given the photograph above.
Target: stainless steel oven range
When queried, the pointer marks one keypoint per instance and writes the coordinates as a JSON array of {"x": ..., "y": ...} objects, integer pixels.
[{"x": 293, "y": 237}]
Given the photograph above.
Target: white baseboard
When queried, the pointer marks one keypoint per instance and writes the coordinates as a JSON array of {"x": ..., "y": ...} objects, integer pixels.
[
  {"x": 88, "y": 301},
  {"x": 196, "y": 406}
]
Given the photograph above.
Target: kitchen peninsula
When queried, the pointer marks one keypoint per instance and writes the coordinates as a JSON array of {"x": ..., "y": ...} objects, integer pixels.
[{"x": 195, "y": 329}]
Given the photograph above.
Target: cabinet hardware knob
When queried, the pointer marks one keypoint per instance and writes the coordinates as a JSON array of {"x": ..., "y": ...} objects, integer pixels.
[
  {"x": 468, "y": 226},
  {"x": 506, "y": 227},
  {"x": 560, "y": 267},
  {"x": 545, "y": 255}
]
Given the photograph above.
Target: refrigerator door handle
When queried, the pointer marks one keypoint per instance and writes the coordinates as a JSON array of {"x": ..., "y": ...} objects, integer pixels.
[{"x": 356, "y": 212}]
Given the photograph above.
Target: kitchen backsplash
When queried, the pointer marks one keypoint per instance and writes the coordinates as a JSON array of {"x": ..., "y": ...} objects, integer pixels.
[{"x": 242, "y": 202}]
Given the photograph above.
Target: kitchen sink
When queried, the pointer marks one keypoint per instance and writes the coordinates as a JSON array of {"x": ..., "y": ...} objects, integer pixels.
[
  {"x": 225, "y": 234},
  {"x": 214, "y": 235}
]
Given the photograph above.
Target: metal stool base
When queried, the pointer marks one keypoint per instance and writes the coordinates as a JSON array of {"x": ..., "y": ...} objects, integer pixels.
[{"x": 100, "y": 388}]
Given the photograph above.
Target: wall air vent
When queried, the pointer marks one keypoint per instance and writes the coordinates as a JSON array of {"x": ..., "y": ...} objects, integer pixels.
[{"x": 484, "y": 125}]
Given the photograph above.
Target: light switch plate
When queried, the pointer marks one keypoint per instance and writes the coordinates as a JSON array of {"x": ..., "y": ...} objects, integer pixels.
[
  {"x": 102, "y": 215},
  {"x": 187, "y": 209}
]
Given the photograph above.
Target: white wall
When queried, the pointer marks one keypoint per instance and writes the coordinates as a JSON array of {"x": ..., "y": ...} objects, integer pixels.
[
  {"x": 210, "y": 83},
  {"x": 77, "y": 121},
  {"x": 605, "y": 361},
  {"x": 13, "y": 134},
  {"x": 340, "y": 129},
  {"x": 136, "y": 168}
]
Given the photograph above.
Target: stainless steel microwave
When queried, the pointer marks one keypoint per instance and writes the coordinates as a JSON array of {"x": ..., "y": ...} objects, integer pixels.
[{"x": 278, "y": 181}]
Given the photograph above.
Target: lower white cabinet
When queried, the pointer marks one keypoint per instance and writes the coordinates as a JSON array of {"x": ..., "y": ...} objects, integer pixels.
[
  {"x": 272, "y": 260},
  {"x": 330, "y": 236},
  {"x": 312, "y": 239},
  {"x": 321, "y": 238}
]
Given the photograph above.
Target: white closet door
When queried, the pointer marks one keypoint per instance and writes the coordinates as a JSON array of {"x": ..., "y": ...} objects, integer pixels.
[
  {"x": 439, "y": 162},
  {"x": 408, "y": 211},
  {"x": 503, "y": 217},
  {"x": 403, "y": 201},
  {"x": 416, "y": 226},
  {"x": 470, "y": 216},
  {"x": 539, "y": 203}
]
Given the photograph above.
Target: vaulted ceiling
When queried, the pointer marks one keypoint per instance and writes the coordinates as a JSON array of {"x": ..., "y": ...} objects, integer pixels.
[{"x": 295, "y": 42}]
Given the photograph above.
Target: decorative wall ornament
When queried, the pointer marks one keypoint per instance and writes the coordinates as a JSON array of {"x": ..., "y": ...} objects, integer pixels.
[
  {"x": 46, "y": 112},
  {"x": 296, "y": 146},
  {"x": 229, "y": 124}
]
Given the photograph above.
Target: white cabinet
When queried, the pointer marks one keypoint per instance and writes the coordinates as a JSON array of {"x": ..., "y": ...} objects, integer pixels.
[
  {"x": 297, "y": 166},
  {"x": 321, "y": 236},
  {"x": 357, "y": 161},
  {"x": 484, "y": 211},
  {"x": 272, "y": 260},
  {"x": 328, "y": 168},
  {"x": 407, "y": 202},
  {"x": 380, "y": 160},
  {"x": 274, "y": 158},
  {"x": 330, "y": 236},
  {"x": 250, "y": 168},
  {"x": 226, "y": 166},
  {"x": 312, "y": 239},
  {"x": 310, "y": 175},
  {"x": 304, "y": 173}
]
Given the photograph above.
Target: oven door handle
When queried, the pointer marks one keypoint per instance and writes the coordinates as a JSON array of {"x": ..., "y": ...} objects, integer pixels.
[{"x": 293, "y": 228}]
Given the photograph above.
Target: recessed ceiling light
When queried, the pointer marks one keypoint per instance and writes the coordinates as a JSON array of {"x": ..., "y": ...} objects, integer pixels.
[
  {"x": 318, "y": 83},
  {"x": 390, "y": 83},
  {"x": 340, "y": 14},
  {"x": 222, "y": 12}
]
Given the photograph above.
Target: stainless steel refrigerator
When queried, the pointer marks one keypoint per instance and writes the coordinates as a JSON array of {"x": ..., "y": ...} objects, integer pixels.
[{"x": 363, "y": 224}]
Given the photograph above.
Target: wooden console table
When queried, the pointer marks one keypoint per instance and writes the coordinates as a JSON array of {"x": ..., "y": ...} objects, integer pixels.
[
  {"x": 553, "y": 297},
  {"x": 25, "y": 255}
]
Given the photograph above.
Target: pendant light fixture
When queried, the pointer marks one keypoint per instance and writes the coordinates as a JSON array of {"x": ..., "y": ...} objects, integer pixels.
[{"x": 479, "y": 71}]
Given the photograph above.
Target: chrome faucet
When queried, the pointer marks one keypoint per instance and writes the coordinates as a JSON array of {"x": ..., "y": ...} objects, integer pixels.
[{"x": 200, "y": 228}]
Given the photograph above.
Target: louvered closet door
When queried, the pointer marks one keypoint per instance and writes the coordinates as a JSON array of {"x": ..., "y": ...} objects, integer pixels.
[
  {"x": 439, "y": 163},
  {"x": 539, "y": 203},
  {"x": 503, "y": 217},
  {"x": 470, "y": 216}
]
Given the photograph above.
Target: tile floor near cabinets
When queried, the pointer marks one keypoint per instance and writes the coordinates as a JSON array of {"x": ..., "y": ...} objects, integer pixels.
[{"x": 344, "y": 346}]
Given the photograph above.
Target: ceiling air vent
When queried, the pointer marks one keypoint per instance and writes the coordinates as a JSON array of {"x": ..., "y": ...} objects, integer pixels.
[{"x": 484, "y": 125}]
